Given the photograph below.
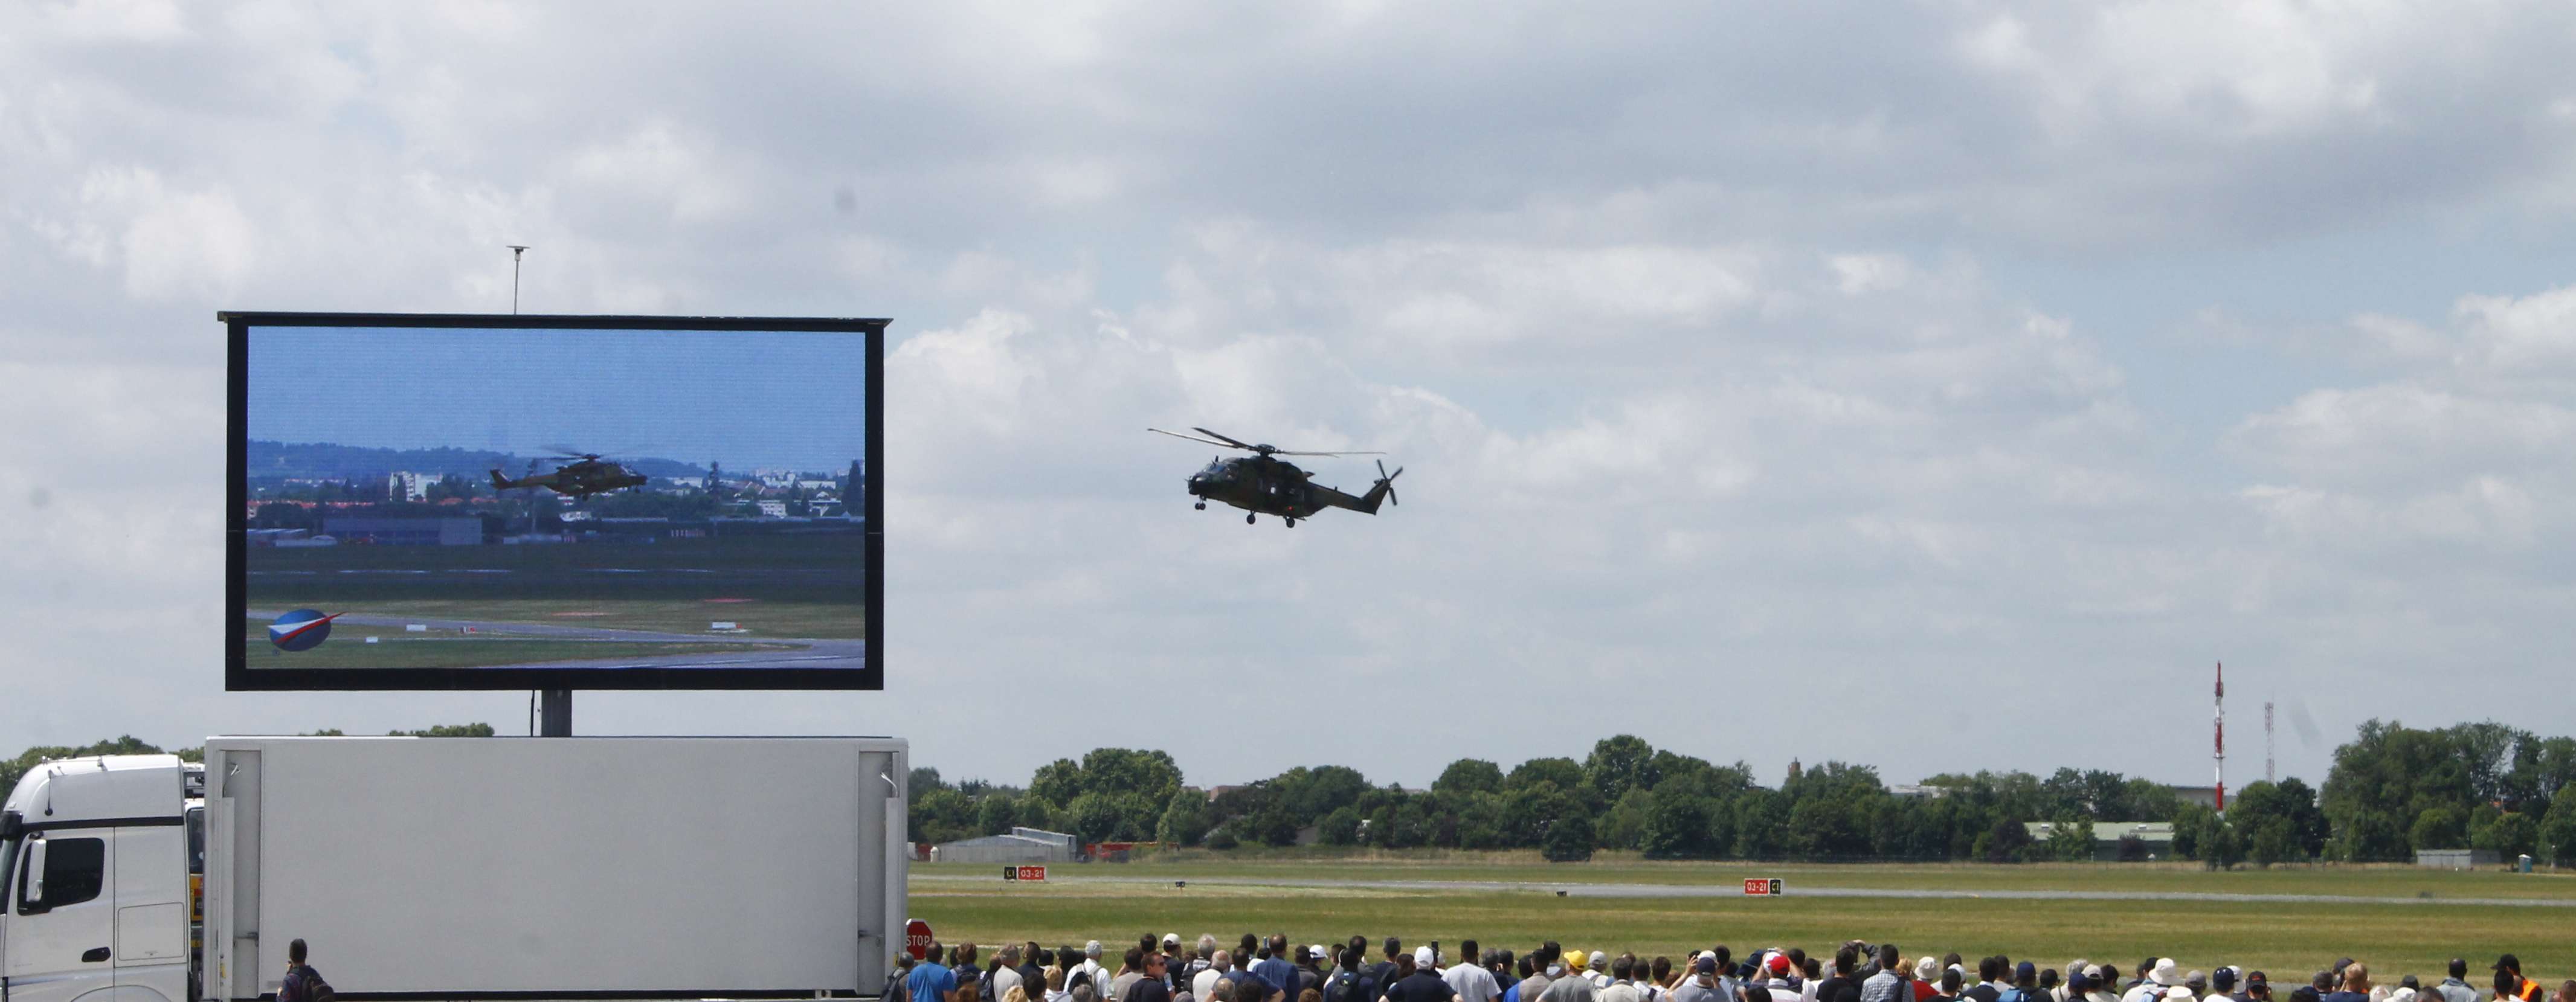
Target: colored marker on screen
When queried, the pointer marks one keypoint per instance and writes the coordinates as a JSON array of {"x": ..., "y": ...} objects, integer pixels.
[{"x": 301, "y": 630}]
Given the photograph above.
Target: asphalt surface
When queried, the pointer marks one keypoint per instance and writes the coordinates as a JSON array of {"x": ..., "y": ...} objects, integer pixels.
[
  {"x": 1793, "y": 890},
  {"x": 814, "y": 653}
]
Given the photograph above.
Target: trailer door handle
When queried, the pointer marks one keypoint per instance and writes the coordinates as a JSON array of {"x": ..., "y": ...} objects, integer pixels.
[{"x": 94, "y": 956}]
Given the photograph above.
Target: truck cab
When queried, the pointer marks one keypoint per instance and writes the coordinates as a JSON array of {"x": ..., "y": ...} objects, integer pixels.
[{"x": 99, "y": 863}]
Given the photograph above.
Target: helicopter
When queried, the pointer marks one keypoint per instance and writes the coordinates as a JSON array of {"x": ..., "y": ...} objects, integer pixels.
[
  {"x": 585, "y": 475},
  {"x": 1262, "y": 484}
]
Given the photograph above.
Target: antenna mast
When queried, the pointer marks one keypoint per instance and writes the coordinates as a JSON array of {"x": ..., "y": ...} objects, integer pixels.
[
  {"x": 2219, "y": 732},
  {"x": 2267, "y": 742},
  {"x": 515, "y": 251}
]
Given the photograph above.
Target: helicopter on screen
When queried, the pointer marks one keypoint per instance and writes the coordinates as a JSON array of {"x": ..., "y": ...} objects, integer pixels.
[
  {"x": 1263, "y": 484},
  {"x": 586, "y": 474}
]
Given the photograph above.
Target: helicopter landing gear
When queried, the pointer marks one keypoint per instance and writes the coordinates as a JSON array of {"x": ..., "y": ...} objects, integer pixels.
[
  {"x": 1292, "y": 523},
  {"x": 1247, "y": 519},
  {"x": 1202, "y": 506}
]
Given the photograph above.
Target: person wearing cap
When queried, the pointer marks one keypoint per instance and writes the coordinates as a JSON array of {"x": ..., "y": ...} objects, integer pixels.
[
  {"x": 2079, "y": 982},
  {"x": 2160, "y": 975},
  {"x": 1469, "y": 978},
  {"x": 2025, "y": 984},
  {"x": 2222, "y": 986},
  {"x": 2098, "y": 981},
  {"x": 2258, "y": 987},
  {"x": 2525, "y": 989},
  {"x": 2197, "y": 982},
  {"x": 1927, "y": 974},
  {"x": 1421, "y": 981},
  {"x": 1701, "y": 983},
  {"x": 1778, "y": 974}
]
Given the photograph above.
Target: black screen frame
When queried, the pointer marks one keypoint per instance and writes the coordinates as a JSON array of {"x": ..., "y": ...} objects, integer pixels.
[{"x": 239, "y": 677}]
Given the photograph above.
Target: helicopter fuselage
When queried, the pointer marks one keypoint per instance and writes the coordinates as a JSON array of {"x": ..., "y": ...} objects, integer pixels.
[
  {"x": 1266, "y": 486},
  {"x": 577, "y": 481}
]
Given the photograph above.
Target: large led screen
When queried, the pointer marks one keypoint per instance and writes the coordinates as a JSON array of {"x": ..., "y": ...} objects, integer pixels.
[{"x": 523, "y": 502}]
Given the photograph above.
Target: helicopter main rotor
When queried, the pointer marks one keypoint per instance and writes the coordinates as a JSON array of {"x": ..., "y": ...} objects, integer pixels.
[{"x": 1215, "y": 438}]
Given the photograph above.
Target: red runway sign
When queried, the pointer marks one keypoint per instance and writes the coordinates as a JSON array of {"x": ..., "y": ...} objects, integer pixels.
[
  {"x": 1029, "y": 873},
  {"x": 1767, "y": 887}
]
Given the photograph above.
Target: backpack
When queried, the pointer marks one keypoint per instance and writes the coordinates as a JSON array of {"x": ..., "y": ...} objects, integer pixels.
[
  {"x": 1343, "y": 986},
  {"x": 309, "y": 987}
]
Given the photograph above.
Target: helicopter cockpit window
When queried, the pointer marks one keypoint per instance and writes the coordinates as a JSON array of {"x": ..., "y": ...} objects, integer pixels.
[{"x": 1215, "y": 468}]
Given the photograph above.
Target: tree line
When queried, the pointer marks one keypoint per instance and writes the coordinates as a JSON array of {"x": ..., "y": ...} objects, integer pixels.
[{"x": 2391, "y": 790}]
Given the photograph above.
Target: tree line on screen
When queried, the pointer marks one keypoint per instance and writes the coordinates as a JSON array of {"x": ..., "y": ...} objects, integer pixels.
[{"x": 2391, "y": 790}]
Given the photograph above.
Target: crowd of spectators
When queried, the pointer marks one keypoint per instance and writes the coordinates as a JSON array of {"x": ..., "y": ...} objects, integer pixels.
[{"x": 1275, "y": 970}]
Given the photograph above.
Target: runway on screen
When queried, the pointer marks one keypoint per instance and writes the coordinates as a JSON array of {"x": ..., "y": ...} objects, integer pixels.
[{"x": 810, "y": 653}]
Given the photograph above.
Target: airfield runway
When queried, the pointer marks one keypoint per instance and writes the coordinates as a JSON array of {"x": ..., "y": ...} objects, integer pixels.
[
  {"x": 1614, "y": 890},
  {"x": 816, "y": 653}
]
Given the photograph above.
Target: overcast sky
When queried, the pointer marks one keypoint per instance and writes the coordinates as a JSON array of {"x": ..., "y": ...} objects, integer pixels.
[{"x": 1936, "y": 386}]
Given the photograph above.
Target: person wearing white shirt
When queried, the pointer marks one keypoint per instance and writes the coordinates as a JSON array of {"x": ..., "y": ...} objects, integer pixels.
[
  {"x": 1469, "y": 978},
  {"x": 1091, "y": 965},
  {"x": 1207, "y": 979}
]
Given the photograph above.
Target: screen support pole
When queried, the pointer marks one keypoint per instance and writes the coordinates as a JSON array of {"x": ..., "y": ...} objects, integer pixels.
[{"x": 554, "y": 716}]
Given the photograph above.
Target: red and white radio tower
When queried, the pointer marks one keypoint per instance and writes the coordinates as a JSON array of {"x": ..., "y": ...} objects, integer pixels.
[{"x": 2220, "y": 733}]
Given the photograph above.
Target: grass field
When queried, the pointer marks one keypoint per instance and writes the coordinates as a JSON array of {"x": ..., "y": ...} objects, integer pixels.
[
  {"x": 397, "y": 649},
  {"x": 2287, "y": 939}
]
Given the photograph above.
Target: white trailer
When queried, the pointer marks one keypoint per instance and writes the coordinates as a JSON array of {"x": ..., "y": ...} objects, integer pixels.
[{"x": 462, "y": 868}]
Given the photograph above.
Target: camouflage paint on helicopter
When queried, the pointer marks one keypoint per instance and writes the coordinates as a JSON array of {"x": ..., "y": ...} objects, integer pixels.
[
  {"x": 586, "y": 475},
  {"x": 1263, "y": 484}
]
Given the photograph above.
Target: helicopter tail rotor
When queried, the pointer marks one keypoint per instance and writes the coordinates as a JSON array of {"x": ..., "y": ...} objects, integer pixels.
[{"x": 1387, "y": 480}]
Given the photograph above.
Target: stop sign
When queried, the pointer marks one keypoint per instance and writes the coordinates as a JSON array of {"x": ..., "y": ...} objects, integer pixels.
[{"x": 916, "y": 939}]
